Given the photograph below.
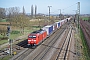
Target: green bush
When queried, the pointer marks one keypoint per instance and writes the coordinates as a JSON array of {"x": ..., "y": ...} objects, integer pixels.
[
  {"x": 35, "y": 26},
  {"x": 15, "y": 32}
]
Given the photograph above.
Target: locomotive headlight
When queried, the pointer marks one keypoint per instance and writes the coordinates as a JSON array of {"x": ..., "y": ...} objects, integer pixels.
[
  {"x": 34, "y": 40},
  {"x": 29, "y": 40}
]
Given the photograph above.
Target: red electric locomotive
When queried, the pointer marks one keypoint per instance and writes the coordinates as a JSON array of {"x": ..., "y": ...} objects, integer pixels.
[{"x": 36, "y": 37}]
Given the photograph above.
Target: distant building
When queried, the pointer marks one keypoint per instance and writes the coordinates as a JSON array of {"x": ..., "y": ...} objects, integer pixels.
[
  {"x": 23, "y": 11},
  {"x": 32, "y": 11},
  {"x": 35, "y": 10}
]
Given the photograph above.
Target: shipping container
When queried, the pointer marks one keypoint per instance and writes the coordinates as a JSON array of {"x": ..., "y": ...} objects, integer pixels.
[
  {"x": 61, "y": 22},
  {"x": 48, "y": 28},
  {"x": 54, "y": 26},
  {"x": 58, "y": 24}
]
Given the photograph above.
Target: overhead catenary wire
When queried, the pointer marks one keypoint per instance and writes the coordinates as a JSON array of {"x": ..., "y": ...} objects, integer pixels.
[
  {"x": 65, "y": 8},
  {"x": 69, "y": 6}
]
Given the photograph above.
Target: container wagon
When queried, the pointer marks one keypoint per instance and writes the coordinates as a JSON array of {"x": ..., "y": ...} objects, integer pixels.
[
  {"x": 49, "y": 29},
  {"x": 54, "y": 26},
  {"x": 58, "y": 24}
]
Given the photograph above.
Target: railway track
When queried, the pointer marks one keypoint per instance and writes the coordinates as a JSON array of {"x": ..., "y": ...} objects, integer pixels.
[
  {"x": 63, "y": 53},
  {"x": 48, "y": 47},
  {"x": 86, "y": 29},
  {"x": 27, "y": 51},
  {"x": 23, "y": 52},
  {"x": 44, "y": 48}
]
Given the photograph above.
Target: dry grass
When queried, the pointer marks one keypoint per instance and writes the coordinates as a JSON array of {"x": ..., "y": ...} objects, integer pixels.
[{"x": 4, "y": 23}]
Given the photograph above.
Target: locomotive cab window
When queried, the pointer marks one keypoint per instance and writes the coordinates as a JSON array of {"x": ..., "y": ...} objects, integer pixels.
[{"x": 32, "y": 36}]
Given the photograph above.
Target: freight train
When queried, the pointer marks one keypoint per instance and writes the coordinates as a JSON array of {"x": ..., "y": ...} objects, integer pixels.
[{"x": 36, "y": 37}]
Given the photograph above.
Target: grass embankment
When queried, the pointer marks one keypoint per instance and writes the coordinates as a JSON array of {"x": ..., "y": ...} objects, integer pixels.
[
  {"x": 34, "y": 25},
  {"x": 6, "y": 57},
  {"x": 3, "y": 20},
  {"x": 13, "y": 35},
  {"x": 16, "y": 33},
  {"x": 3, "y": 40},
  {"x": 85, "y": 18},
  {"x": 86, "y": 50}
]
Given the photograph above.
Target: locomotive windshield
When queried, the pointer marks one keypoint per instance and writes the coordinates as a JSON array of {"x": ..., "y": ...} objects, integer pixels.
[{"x": 32, "y": 36}]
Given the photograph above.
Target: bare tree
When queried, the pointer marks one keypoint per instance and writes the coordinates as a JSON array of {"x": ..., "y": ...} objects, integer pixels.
[
  {"x": 2, "y": 13},
  {"x": 17, "y": 19},
  {"x": 12, "y": 14}
]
